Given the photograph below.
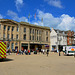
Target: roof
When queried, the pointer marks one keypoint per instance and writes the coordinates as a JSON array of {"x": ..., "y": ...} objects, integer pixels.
[
  {"x": 25, "y": 23},
  {"x": 60, "y": 31},
  {"x": 33, "y": 25}
]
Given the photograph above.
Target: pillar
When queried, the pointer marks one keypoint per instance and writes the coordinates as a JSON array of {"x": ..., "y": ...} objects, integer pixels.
[{"x": 28, "y": 46}]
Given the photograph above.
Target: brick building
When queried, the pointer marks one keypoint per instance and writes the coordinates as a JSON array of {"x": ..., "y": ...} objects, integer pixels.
[
  {"x": 23, "y": 34},
  {"x": 70, "y": 37}
]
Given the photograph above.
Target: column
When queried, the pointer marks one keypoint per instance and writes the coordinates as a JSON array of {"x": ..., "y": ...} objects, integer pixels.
[{"x": 28, "y": 46}]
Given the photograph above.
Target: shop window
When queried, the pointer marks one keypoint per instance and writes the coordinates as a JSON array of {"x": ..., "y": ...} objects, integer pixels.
[{"x": 12, "y": 45}]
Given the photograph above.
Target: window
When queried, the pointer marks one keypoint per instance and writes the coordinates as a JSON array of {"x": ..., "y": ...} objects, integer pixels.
[
  {"x": 3, "y": 35},
  {"x": 33, "y": 31},
  {"x": 37, "y": 38},
  {"x": 7, "y": 36},
  {"x": 0, "y": 26},
  {"x": 24, "y": 37},
  {"x": 12, "y": 28},
  {"x": 40, "y": 32},
  {"x": 12, "y": 36},
  {"x": 46, "y": 38},
  {"x": 12, "y": 46},
  {"x": 30, "y": 31},
  {"x": 17, "y": 28},
  {"x": 69, "y": 41},
  {"x": 46, "y": 32},
  {"x": 8, "y": 27},
  {"x": 24, "y": 29},
  {"x": 30, "y": 37},
  {"x": 37, "y": 31},
  {"x": 17, "y": 36},
  {"x": 4, "y": 27},
  {"x": 33, "y": 37}
]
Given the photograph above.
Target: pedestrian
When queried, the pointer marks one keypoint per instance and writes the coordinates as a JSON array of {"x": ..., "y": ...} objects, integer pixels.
[
  {"x": 47, "y": 52},
  {"x": 25, "y": 51},
  {"x": 43, "y": 51},
  {"x": 29, "y": 52},
  {"x": 22, "y": 51}
]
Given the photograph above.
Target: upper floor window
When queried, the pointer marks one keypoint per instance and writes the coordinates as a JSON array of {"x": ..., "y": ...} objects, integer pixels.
[
  {"x": 0, "y": 26},
  {"x": 4, "y": 27},
  {"x": 37, "y": 31},
  {"x": 33, "y": 37},
  {"x": 12, "y": 36},
  {"x": 46, "y": 38},
  {"x": 17, "y": 28},
  {"x": 3, "y": 35},
  {"x": 24, "y": 37},
  {"x": 37, "y": 38},
  {"x": 46, "y": 32},
  {"x": 12, "y": 28},
  {"x": 30, "y": 30},
  {"x": 33, "y": 31},
  {"x": 7, "y": 36},
  {"x": 17, "y": 36},
  {"x": 8, "y": 27},
  {"x": 24, "y": 29},
  {"x": 30, "y": 37}
]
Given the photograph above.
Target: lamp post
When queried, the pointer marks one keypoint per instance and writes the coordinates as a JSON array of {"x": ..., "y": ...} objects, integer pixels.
[{"x": 59, "y": 39}]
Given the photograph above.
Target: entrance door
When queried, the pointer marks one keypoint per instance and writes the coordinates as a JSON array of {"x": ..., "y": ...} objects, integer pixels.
[{"x": 25, "y": 46}]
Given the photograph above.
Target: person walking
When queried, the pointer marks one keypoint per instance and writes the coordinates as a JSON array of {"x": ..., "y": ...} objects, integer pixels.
[
  {"x": 22, "y": 51},
  {"x": 47, "y": 52}
]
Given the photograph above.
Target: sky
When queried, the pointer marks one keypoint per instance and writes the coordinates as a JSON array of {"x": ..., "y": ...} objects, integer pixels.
[{"x": 59, "y": 14}]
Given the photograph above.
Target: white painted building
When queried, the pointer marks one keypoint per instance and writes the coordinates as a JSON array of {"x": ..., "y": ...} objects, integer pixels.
[{"x": 58, "y": 37}]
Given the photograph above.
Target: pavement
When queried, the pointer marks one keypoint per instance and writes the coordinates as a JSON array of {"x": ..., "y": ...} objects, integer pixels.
[{"x": 38, "y": 64}]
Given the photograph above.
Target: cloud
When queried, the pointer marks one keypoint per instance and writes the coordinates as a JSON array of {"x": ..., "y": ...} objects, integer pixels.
[
  {"x": 19, "y": 4},
  {"x": 67, "y": 22},
  {"x": 64, "y": 22},
  {"x": 15, "y": 17},
  {"x": 1, "y": 16},
  {"x": 55, "y": 3}
]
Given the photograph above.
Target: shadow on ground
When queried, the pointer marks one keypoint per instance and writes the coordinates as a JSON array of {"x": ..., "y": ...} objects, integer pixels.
[{"x": 6, "y": 60}]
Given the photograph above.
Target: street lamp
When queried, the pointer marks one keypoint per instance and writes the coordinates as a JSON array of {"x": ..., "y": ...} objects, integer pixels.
[{"x": 59, "y": 39}]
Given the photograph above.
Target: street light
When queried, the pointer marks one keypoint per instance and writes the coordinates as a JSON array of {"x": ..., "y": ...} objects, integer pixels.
[{"x": 59, "y": 39}]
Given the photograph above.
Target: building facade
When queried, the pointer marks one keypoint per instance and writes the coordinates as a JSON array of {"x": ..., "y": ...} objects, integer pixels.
[
  {"x": 24, "y": 35},
  {"x": 70, "y": 37},
  {"x": 58, "y": 38}
]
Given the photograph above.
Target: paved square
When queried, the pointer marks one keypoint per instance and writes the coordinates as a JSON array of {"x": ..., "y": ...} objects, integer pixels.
[{"x": 38, "y": 65}]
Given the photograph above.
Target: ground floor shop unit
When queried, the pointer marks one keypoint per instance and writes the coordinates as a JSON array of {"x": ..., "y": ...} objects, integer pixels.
[
  {"x": 12, "y": 45},
  {"x": 57, "y": 47}
]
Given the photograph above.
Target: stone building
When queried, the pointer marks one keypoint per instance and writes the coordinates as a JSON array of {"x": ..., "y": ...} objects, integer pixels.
[{"x": 24, "y": 35}]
